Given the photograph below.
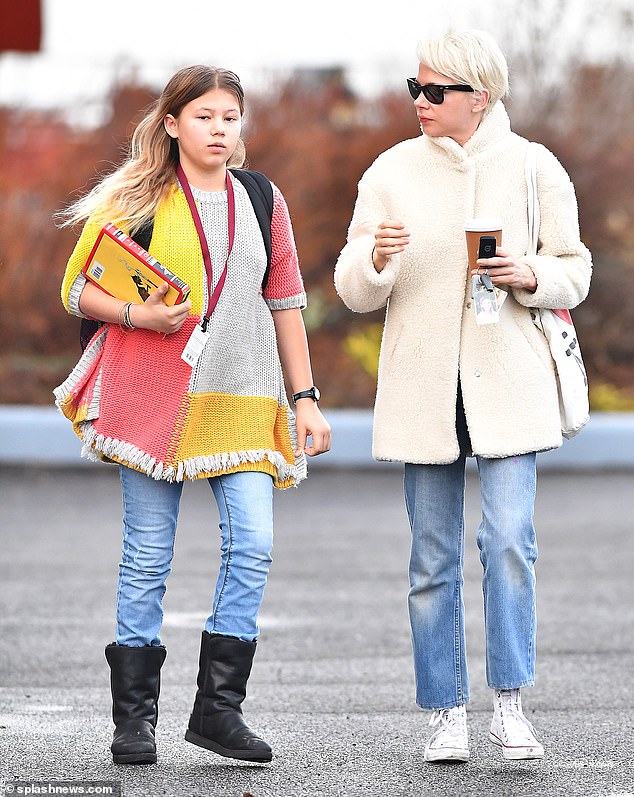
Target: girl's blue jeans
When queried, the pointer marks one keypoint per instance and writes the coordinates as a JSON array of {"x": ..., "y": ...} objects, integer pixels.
[
  {"x": 434, "y": 497},
  {"x": 150, "y": 513}
]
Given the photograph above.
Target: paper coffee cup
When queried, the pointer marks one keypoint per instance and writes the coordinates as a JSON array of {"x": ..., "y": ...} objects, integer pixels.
[{"x": 474, "y": 228}]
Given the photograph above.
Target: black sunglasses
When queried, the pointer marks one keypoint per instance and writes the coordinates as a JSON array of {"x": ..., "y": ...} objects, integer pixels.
[{"x": 434, "y": 92}]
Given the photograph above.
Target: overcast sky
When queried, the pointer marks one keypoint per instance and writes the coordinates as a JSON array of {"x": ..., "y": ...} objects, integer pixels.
[{"x": 88, "y": 43}]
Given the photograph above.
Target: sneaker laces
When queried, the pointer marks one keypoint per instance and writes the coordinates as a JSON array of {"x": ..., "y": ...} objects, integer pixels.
[
  {"x": 448, "y": 721},
  {"x": 510, "y": 704}
]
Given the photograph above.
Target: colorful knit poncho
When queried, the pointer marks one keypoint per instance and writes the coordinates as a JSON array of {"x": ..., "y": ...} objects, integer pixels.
[{"x": 131, "y": 397}]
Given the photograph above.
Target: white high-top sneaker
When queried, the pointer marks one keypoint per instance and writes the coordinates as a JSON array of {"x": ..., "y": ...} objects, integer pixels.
[
  {"x": 510, "y": 730},
  {"x": 450, "y": 740}
]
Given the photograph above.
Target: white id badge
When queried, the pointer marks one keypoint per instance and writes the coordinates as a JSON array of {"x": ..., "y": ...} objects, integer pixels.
[
  {"x": 194, "y": 347},
  {"x": 484, "y": 302}
]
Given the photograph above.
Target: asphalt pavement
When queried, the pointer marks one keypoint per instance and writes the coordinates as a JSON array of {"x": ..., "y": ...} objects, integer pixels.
[{"x": 332, "y": 684}]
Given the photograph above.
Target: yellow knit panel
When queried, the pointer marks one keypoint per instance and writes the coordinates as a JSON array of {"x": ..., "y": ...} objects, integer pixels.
[
  {"x": 74, "y": 412},
  {"x": 175, "y": 245},
  {"x": 78, "y": 258},
  {"x": 219, "y": 423},
  {"x": 180, "y": 424},
  {"x": 282, "y": 437}
]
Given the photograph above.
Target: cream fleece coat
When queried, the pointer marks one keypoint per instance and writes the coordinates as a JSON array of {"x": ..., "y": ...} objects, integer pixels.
[{"x": 433, "y": 185}]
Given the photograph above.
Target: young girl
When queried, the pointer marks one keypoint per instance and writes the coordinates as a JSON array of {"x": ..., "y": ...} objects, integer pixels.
[{"x": 222, "y": 415}]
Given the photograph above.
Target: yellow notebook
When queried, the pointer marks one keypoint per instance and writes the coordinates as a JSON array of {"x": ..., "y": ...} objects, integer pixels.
[{"x": 122, "y": 268}]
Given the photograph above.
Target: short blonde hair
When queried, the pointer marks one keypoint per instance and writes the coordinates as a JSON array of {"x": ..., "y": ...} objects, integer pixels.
[{"x": 471, "y": 56}]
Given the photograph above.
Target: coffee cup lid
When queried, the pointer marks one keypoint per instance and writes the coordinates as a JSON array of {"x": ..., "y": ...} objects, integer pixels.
[{"x": 483, "y": 225}]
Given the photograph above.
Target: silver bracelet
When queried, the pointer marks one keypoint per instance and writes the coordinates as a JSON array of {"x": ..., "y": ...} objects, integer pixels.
[{"x": 126, "y": 316}]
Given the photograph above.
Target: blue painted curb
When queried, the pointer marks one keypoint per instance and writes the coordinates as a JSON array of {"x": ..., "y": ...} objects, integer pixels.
[{"x": 31, "y": 435}]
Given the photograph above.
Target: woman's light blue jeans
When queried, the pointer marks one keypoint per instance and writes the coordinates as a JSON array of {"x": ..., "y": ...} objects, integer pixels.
[
  {"x": 150, "y": 513},
  {"x": 434, "y": 496}
]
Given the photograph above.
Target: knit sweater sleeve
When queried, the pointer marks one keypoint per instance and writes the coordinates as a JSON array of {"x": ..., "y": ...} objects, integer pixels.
[
  {"x": 563, "y": 265},
  {"x": 361, "y": 287},
  {"x": 285, "y": 288},
  {"x": 74, "y": 281}
]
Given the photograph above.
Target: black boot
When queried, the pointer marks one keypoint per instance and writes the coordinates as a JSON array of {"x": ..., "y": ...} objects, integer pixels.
[
  {"x": 135, "y": 682},
  {"x": 216, "y": 722}
]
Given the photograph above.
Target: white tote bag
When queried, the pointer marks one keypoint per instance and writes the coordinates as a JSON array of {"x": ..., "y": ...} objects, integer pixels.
[{"x": 557, "y": 326}]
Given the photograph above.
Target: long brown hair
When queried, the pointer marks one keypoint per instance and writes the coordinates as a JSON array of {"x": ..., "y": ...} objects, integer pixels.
[{"x": 132, "y": 193}]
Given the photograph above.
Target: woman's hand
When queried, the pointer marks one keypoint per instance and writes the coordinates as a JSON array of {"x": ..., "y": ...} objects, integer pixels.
[
  {"x": 506, "y": 272},
  {"x": 310, "y": 422},
  {"x": 391, "y": 237},
  {"x": 153, "y": 314}
]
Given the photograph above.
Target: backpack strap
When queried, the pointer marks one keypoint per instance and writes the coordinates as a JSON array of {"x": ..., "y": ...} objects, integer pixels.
[
  {"x": 260, "y": 193},
  {"x": 143, "y": 236},
  {"x": 89, "y": 326}
]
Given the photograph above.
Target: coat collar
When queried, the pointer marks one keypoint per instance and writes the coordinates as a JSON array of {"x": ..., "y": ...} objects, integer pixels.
[{"x": 493, "y": 127}]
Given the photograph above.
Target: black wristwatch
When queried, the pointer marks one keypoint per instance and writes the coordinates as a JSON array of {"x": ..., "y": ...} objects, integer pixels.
[{"x": 312, "y": 393}]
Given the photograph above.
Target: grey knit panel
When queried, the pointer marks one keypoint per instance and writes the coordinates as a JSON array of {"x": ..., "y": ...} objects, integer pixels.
[
  {"x": 241, "y": 356},
  {"x": 289, "y": 303}
]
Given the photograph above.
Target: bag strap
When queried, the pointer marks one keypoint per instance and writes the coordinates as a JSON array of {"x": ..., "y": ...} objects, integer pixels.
[
  {"x": 530, "y": 168},
  {"x": 260, "y": 191}
]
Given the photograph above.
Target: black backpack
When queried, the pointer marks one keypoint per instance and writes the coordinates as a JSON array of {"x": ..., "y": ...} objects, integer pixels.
[{"x": 260, "y": 193}]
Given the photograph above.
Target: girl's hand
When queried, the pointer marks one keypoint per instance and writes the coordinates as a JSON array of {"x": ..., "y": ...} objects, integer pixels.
[
  {"x": 505, "y": 271},
  {"x": 153, "y": 314},
  {"x": 310, "y": 422},
  {"x": 391, "y": 237}
]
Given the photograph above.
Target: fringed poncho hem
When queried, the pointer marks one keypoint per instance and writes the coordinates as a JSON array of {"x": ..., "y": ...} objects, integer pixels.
[{"x": 97, "y": 447}]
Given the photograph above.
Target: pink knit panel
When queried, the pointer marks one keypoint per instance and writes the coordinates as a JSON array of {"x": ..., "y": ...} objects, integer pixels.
[
  {"x": 285, "y": 279},
  {"x": 143, "y": 384}
]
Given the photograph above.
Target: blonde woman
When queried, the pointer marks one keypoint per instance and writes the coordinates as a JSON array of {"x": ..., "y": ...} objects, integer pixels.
[
  {"x": 222, "y": 416},
  {"x": 450, "y": 387}
]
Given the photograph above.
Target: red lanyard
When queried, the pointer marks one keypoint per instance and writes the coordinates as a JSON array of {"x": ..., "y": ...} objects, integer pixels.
[{"x": 212, "y": 298}]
